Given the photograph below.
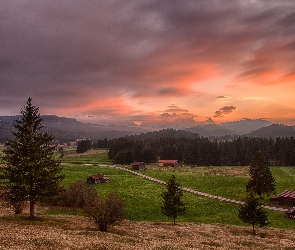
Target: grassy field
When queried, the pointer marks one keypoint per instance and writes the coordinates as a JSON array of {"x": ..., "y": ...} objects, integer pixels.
[
  {"x": 143, "y": 198},
  {"x": 208, "y": 223}
]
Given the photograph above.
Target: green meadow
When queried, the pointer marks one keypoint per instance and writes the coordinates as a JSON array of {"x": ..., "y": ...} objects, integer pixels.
[{"x": 143, "y": 197}]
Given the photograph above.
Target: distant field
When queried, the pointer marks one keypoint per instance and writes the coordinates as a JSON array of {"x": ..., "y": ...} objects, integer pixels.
[{"x": 143, "y": 198}]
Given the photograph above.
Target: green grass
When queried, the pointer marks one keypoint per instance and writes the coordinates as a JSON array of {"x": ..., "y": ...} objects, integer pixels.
[
  {"x": 285, "y": 178},
  {"x": 143, "y": 197},
  {"x": 88, "y": 159},
  {"x": 229, "y": 187}
]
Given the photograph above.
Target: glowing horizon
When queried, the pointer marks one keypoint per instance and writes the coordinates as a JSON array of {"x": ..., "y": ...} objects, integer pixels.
[{"x": 151, "y": 61}]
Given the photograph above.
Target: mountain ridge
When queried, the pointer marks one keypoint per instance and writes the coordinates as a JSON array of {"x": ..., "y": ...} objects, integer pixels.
[{"x": 70, "y": 129}]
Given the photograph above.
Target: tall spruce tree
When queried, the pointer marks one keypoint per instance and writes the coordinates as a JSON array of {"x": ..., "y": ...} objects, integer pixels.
[
  {"x": 261, "y": 180},
  {"x": 172, "y": 205},
  {"x": 252, "y": 212},
  {"x": 30, "y": 171}
]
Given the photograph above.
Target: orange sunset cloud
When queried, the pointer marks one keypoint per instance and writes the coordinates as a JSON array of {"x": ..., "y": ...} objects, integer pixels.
[{"x": 132, "y": 60}]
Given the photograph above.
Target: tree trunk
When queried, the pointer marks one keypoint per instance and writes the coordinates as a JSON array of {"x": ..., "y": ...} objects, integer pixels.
[
  {"x": 254, "y": 233},
  {"x": 32, "y": 209}
]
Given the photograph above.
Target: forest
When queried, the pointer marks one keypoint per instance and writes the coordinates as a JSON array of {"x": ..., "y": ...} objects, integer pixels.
[{"x": 190, "y": 149}]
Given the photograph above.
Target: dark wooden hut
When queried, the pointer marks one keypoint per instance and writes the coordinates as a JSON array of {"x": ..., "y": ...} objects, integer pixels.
[
  {"x": 98, "y": 178},
  {"x": 138, "y": 165},
  {"x": 287, "y": 197}
]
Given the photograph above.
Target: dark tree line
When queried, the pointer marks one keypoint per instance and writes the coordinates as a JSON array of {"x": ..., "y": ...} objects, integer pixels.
[
  {"x": 200, "y": 151},
  {"x": 84, "y": 146}
]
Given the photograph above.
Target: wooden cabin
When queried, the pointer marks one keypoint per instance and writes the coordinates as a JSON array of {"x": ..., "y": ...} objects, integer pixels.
[
  {"x": 138, "y": 165},
  {"x": 287, "y": 197},
  {"x": 168, "y": 163},
  {"x": 291, "y": 213},
  {"x": 98, "y": 178}
]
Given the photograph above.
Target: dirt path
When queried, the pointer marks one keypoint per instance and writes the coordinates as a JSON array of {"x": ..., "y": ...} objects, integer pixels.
[{"x": 220, "y": 198}]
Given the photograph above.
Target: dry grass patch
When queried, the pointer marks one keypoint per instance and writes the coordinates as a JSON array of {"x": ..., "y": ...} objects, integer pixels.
[
  {"x": 76, "y": 232},
  {"x": 231, "y": 171},
  {"x": 89, "y": 152}
]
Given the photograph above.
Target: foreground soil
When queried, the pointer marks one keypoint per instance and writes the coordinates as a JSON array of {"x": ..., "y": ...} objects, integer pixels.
[{"x": 76, "y": 232}]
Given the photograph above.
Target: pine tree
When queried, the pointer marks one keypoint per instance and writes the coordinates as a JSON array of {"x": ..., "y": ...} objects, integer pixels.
[
  {"x": 30, "y": 171},
  {"x": 172, "y": 204},
  {"x": 261, "y": 180},
  {"x": 252, "y": 212}
]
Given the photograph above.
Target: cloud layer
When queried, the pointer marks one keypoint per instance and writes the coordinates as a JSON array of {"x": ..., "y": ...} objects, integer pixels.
[{"x": 137, "y": 58}]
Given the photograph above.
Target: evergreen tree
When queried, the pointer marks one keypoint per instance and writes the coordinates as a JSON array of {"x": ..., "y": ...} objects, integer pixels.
[
  {"x": 30, "y": 171},
  {"x": 172, "y": 204},
  {"x": 252, "y": 212},
  {"x": 261, "y": 180},
  {"x": 84, "y": 146}
]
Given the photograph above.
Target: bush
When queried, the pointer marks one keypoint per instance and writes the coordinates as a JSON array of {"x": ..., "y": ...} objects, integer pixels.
[
  {"x": 77, "y": 194},
  {"x": 105, "y": 211},
  {"x": 8, "y": 201}
]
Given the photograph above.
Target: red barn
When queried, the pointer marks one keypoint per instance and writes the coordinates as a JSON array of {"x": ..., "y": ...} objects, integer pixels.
[
  {"x": 98, "y": 178},
  {"x": 285, "y": 198},
  {"x": 168, "y": 163}
]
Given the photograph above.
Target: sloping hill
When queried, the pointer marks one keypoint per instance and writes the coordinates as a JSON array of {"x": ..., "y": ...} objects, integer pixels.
[
  {"x": 76, "y": 232},
  {"x": 69, "y": 129},
  {"x": 274, "y": 130},
  {"x": 211, "y": 130},
  {"x": 245, "y": 126}
]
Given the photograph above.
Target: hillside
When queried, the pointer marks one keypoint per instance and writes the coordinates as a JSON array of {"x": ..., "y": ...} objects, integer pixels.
[
  {"x": 75, "y": 232},
  {"x": 245, "y": 126},
  {"x": 274, "y": 130},
  {"x": 69, "y": 129},
  {"x": 211, "y": 130}
]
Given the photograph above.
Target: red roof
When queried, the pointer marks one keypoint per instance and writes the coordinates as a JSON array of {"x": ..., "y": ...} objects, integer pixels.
[
  {"x": 286, "y": 194},
  {"x": 97, "y": 176},
  {"x": 167, "y": 161}
]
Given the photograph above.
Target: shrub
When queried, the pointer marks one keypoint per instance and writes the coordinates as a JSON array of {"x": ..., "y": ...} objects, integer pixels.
[
  {"x": 77, "y": 194},
  {"x": 8, "y": 201},
  {"x": 105, "y": 211}
]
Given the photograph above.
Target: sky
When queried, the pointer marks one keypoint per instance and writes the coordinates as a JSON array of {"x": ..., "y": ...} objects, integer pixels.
[{"x": 149, "y": 60}]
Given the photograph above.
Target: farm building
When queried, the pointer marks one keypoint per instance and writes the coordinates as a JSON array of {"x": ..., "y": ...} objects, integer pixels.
[
  {"x": 98, "y": 178},
  {"x": 285, "y": 198},
  {"x": 291, "y": 213},
  {"x": 168, "y": 163},
  {"x": 138, "y": 165}
]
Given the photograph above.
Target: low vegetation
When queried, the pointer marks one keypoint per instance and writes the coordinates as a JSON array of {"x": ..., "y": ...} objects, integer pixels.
[
  {"x": 77, "y": 232},
  {"x": 252, "y": 212},
  {"x": 173, "y": 206},
  {"x": 105, "y": 211},
  {"x": 207, "y": 223}
]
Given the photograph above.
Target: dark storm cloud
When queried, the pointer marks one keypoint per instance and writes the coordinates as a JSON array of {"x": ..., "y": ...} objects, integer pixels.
[
  {"x": 224, "y": 111},
  {"x": 64, "y": 52}
]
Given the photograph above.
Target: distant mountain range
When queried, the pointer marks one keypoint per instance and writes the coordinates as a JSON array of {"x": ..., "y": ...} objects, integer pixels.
[
  {"x": 69, "y": 129},
  {"x": 229, "y": 128}
]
